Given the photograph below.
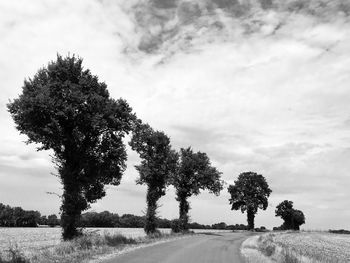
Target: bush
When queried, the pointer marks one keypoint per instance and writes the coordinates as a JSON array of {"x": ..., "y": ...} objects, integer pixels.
[
  {"x": 116, "y": 240},
  {"x": 156, "y": 234},
  {"x": 175, "y": 226}
]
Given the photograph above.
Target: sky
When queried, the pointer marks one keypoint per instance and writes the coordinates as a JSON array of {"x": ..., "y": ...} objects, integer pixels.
[{"x": 259, "y": 86}]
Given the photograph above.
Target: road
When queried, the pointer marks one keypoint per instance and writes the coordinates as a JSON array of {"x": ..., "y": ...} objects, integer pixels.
[{"x": 202, "y": 248}]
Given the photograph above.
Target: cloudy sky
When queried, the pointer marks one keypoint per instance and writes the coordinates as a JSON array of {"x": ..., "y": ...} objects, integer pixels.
[{"x": 258, "y": 86}]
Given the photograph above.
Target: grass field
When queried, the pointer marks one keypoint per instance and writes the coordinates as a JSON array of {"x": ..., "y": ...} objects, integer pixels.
[{"x": 298, "y": 247}]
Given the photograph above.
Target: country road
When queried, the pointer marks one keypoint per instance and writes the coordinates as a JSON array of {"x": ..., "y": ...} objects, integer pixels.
[{"x": 201, "y": 248}]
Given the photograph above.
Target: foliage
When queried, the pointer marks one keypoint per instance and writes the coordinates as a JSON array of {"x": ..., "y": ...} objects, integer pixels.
[
  {"x": 52, "y": 220},
  {"x": 176, "y": 226},
  {"x": 249, "y": 193},
  {"x": 158, "y": 163},
  {"x": 293, "y": 218},
  {"x": 65, "y": 108},
  {"x": 221, "y": 225},
  {"x": 17, "y": 217},
  {"x": 117, "y": 240},
  {"x": 194, "y": 173},
  {"x": 103, "y": 219},
  {"x": 107, "y": 219}
]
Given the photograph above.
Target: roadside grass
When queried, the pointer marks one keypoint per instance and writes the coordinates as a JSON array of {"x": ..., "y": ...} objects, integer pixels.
[
  {"x": 13, "y": 255},
  {"x": 83, "y": 249},
  {"x": 297, "y": 247}
]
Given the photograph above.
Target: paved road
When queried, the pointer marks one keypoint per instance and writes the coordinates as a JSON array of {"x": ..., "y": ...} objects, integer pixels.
[{"x": 203, "y": 248}]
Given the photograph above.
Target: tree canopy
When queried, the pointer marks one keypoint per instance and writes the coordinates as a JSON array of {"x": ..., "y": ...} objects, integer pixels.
[
  {"x": 249, "y": 193},
  {"x": 65, "y": 108},
  {"x": 158, "y": 163},
  {"x": 18, "y": 217},
  {"x": 293, "y": 218},
  {"x": 194, "y": 173}
]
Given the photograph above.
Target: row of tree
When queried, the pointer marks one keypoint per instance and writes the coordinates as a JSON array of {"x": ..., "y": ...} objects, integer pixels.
[
  {"x": 18, "y": 217},
  {"x": 66, "y": 109},
  {"x": 189, "y": 172}
]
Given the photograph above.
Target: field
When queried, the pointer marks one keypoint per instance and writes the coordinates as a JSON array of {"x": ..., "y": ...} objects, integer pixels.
[
  {"x": 34, "y": 240},
  {"x": 31, "y": 240},
  {"x": 298, "y": 247}
]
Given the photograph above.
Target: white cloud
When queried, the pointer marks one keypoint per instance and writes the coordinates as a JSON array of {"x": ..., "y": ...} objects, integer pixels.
[{"x": 273, "y": 100}]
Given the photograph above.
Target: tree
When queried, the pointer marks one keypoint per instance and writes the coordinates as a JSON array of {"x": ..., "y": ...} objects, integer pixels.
[
  {"x": 194, "y": 173},
  {"x": 158, "y": 162},
  {"x": 249, "y": 193},
  {"x": 293, "y": 218},
  {"x": 66, "y": 109},
  {"x": 52, "y": 220},
  {"x": 285, "y": 211}
]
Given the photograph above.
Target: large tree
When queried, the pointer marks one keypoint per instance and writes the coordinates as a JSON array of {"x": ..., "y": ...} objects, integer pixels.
[
  {"x": 158, "y": 163},
  {"x": 66, "y": 109},
  {"x": 292, "y": 218},
  {"x": 194, "y": 173},
  {"x": 249, "y": 193}
]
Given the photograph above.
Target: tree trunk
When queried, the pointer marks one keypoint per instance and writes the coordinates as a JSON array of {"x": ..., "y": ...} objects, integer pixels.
[
  {"x": 151, "y": 199},
  {"x": 184, "y": 207},
  {"x": 73, "y": 203},
  {"x": 250, "y": 215}
]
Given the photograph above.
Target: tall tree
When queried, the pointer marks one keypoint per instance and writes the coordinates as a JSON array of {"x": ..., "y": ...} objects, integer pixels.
[
  {"x": 65, "y": 108},
  {"x": 158, "y": 162},
  {"x": 249, "y": 193},
  {"x": 194, "y": 173},
  {"x": 293, "y": 218}
]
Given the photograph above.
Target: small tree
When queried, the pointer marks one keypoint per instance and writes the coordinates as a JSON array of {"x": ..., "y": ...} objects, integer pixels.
[
  {"x": 52, "y": 220},
  {"x": 66, "y": 109},
  {"x": 293, "y": 218},
  {"x": 194, "y": 174},
  {"x": 158, "y": 162},
  {"x": 249, "y": 193},
  {"x": 285, "y": 211}
]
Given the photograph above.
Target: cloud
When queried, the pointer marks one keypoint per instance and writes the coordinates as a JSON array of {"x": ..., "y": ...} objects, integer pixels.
[
  {"x": 167, "y": 27},
  {"x": 265, "y": 92}
]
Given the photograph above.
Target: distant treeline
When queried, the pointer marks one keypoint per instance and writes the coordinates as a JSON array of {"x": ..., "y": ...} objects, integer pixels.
[
  {"x": 339, "y": 231},
  {"x": 107, "y": 219},
  {"x": 18, "y": 217}
]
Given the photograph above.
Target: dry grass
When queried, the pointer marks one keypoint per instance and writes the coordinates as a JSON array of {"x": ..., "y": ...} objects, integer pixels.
[
  {"x": 13, "y": 255},
  {"x": 317, "y": 246},
  {"x": 298, "y": 247}
]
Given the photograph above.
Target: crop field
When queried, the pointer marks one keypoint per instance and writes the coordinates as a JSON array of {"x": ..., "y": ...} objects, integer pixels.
[
  {"x": 317, "y": 246},
  {"x": 30, "y": 240},
  {"x": 308, "y": 247}
]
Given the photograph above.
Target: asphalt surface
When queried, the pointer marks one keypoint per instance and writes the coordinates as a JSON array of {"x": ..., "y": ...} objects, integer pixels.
[{"x": 202, "y": 248}]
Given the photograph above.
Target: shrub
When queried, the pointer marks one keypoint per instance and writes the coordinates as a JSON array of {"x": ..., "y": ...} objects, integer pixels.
[
  {"x": 116, "y": 240},
  {"x": 176, "y": 226},
  {"x": 156, "y": 234}
]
